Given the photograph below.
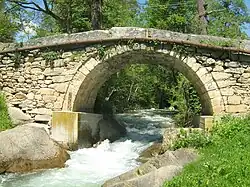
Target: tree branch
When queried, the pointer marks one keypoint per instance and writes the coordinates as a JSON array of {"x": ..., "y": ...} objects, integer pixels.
[
  {"x": 34, "y": 6},
  {"x": 46, "y": 5}
]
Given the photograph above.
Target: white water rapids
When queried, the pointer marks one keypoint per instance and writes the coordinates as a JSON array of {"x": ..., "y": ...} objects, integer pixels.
[{"x": 91, "y": 167}]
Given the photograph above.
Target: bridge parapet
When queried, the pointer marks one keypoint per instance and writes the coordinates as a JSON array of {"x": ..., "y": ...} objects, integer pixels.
[{"x": 128, "y": 33}]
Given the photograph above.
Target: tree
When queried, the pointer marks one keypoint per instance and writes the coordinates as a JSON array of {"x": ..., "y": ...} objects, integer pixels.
[
  {"x": 202, "y": 16},
  {"x": 96, "y": 16},
  {"x": 7, "y": 27},
  {"x": 175, "y": 15},
  {"x": 81, "y": 15},
  {"x": 227, "y": 17}
]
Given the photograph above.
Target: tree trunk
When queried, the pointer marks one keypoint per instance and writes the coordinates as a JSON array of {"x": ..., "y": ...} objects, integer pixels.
[
  {"x": 96, "y": 14},
  {"x": 202, "y": 16}
]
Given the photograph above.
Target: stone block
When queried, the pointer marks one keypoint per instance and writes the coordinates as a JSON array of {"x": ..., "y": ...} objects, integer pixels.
[
  {"x": 90, "y": 64},
  {"x": 42, "y": 118},
  {"x": 20, "y": 96},
  {"x": 236, "y": 108},
  {"x": 58, "y": 105},
  {"x": 30, "y": 96},
  {"x": 214, "y": 94},
  {"x": 66, "y": 54},
  {"x": 221, "y": 75},
  {"x": 60, "y": 79},
  {"x": 225, "y": 83},
  {"x": 41, "y": 111},
  {"x": 49, "y": 98},
  {"x": 227, "y": 91},
  {"x": 232, "y": 64},
  {"x": 234, "y": 100},
  {"x": 46, "y": 91},
  {"x": 58, "y": 63},
  {"x": 206, "y": 122},
  {"x": 65, "y": 128},
  {"x": 201, "y": 72},
  {"x": 218, "y": 68}
]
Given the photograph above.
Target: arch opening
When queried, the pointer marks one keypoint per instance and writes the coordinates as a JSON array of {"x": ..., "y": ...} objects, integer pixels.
[{"x": 86, "y": 96}]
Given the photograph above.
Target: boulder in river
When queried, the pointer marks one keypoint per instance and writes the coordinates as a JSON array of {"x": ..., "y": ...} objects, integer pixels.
[
  {"x": 111, "y": 129},
  {"x": 154, "y": 172},
  {"x": 26, "y": 148},
  {"x": 151, "y": 151}
]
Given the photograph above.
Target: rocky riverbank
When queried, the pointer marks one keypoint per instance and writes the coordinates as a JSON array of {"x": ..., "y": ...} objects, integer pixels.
[{"x": 158, "y": 163}]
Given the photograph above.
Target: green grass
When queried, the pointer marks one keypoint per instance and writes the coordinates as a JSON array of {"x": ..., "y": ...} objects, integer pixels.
[
  {"x": 224, "y": 159},
  {"x": 5, "y": 122}
]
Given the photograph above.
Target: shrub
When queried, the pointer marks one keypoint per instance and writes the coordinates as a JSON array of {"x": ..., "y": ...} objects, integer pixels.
[
  {"x": 5, "y": 122},
  {"x": 193, "y": 138},
  {"x": 225, "y": 161}
]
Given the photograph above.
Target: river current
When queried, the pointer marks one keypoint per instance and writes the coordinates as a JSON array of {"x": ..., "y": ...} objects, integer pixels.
[{"x": 91, "y": 167}]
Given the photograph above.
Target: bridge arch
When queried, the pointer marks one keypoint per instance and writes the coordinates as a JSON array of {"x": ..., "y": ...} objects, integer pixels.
[
  {"x": 83, "y": 89},
  {"x": 45, "y": 75}
]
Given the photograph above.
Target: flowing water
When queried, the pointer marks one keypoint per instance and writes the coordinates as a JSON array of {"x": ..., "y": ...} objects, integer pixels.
[{"x": 90, "y": 167}]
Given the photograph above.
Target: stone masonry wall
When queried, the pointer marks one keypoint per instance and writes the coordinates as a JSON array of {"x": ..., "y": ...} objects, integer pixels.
[{"x": 43, "y": 80}]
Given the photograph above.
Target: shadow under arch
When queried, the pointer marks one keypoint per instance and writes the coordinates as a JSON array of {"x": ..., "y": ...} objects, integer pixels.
[{"x": 87, "y": 93}]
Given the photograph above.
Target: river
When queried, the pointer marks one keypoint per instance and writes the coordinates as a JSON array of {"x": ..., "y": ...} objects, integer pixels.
[{"x": 90, "y": 167}]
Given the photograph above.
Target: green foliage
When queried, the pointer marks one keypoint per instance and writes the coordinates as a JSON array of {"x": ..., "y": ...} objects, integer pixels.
[
  {"x": 70, "y": 16},
  {"x": 50, "y": 56},
  {"x": 5, "y": 122},
  {"x": 47, "y": 27},
  {"x": 7, "y": 27},
  {"x": 194, "y": 139},
  {"x": 141, "y": 86},
  {"x": 17, "y": 59},
  {"x": 185, "y": 99},
  {"x": 101, "y": 51},
  {"x": 223, "y": 162},
  {"x": 172, "y": 15},
  {"x": 227, "y": 18},
  {"x": 120, "y": 13}
]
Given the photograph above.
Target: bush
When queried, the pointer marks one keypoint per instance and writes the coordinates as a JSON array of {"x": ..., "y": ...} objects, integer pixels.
[
  {"x": 194, "y": 138},
  {"x": 225, "y": 161},
  {"x": 5, "y": 122}
]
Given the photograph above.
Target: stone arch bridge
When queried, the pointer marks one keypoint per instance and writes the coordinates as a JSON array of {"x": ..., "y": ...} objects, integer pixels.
[{"x": 65, "y": 72}]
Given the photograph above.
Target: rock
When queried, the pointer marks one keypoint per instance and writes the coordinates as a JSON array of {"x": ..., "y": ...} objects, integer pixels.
[
  {"x": 46, "y": 91},
  {"x": 40, "y": 125},
  {"x": 61, "y": 88},
  {"x": 42, "y": 118},
  {"x": 17, "y": 116},
  {"x": 21, "y": 79},
  {"x": 155, "y": 178},
  {"x": 30, "y": 96},
  {"x": 61, "y": 79},
  {"x": 170, "y": 135},
  {"x": 110, "y": 129},
  {"x": 20, "y": 96},
  {"x": 41, "y": 111},
  {"x": 155, "y": 171},
  {"x": 29, "y": 148},
  {"x": 66, "y": 54},
  {"x": 150, "y": 152}
]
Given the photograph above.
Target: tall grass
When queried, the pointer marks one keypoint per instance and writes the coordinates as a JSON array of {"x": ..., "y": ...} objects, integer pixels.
[
  {"x": 5, "y": 122},
  {"x": 224, "y": 162}
]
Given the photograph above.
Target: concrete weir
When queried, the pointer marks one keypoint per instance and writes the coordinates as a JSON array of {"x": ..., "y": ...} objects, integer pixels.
[{"x": 74, "y": 129}]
